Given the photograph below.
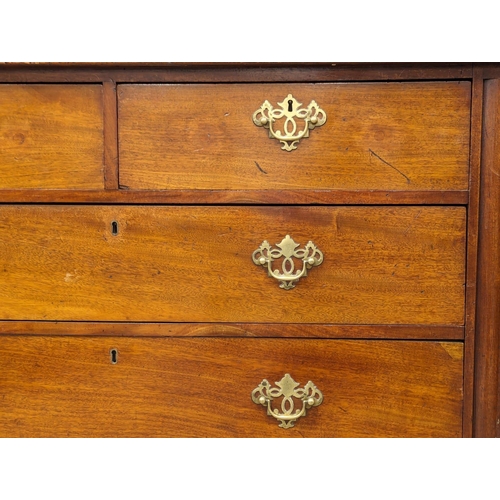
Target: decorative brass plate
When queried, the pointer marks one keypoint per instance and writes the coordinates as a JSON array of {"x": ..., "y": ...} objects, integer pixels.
[
  {"x": 310, "y": 396},
  {"x": 265, "y": 255},
  {"x": 266, "y": 116}
]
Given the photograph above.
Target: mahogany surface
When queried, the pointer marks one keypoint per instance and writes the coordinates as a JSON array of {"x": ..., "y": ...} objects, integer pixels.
[
  {"x": 88, "y": 154},
  {"x": 51, "y": 136},
  {"x": 487, "y": 423},
  {"x": 59, "y": 386},
  {"x": 382, "y": 265},
  {"x": 411, "y": 136}
]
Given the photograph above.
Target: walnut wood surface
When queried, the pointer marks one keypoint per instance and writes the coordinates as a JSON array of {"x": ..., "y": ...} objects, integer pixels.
[
  {"x": 63, "y": 386},
  {"x": 391, "y": 136},
  {"x": 387, "y": 265},
  {"x": 51, "y": 136},
  {"x": 487, "y": 376},
  {"x": 279, "y": 330}
]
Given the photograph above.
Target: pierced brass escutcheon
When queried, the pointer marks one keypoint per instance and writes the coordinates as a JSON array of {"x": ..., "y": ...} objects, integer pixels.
[
  {"x": 310, "y": 396},
  {"x": 266, "y": 116},
  {"x": 265, "y": 255}
]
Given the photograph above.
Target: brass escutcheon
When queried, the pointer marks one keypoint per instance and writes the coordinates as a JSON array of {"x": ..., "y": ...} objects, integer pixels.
[
  {"x": 310, "y": 396},
  {"x": 266, "y": 116},
  {"x": 265, "y": 255}
]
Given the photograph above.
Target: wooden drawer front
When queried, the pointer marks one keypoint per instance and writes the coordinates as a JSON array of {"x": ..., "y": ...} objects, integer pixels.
[
  {"x": 384, "y": 136},
  {"x": 202, "y": 387},
  {"x": 51, "y": 136},
  {"x": 382, "y": 265}
]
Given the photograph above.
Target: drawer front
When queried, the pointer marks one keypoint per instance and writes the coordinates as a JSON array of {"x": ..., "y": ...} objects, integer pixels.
[
  {"x": 382, "y": 136},
  {"x": 382, "y": 265},
  {"x": 51, "y": 136},
  {"x": 202, "y": 387}
]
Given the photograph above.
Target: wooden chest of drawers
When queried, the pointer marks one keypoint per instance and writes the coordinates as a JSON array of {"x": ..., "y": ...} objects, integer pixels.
[{"x": 249, "y": 250}]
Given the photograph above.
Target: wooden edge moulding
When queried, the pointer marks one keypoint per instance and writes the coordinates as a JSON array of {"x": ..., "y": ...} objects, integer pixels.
[
  {"x": 220, "y": 72},
  {"x": 257, "y": 330},
  {"x": 487, "y": 334}
]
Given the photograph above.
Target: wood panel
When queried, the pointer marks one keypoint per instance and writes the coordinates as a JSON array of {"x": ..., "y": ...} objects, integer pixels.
[
  {"x": 386, "y": 265},
  {"x": 52, "y": 387},
  {"x": 487, "y": 376},
  {"x": 412, "y": 136},
  {"x": 51, "y": 136}
]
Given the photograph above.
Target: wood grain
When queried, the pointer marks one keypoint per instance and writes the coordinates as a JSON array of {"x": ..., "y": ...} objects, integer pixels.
[
  {"x": 238, "y": 197},
  {"x": 232, "y": 72},
  {"x": 472, "y": 247},
  {"x": 51, "y": 137},
  {"x": 487, "y": 383},
  {"x": 110, "y": 115},
  {"x": 172, "y": 272},
  {"x": 278, "y": 330},
  {"x": 391, "y": 136},
  {"x": 489, "y": 70},
  {"x": 383, "y": 265},
  {"x": 67, "y": 387}
]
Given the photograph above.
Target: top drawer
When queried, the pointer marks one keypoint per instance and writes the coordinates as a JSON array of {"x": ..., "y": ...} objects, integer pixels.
[
  {"x": 51, "y": 136},
  {"x": 383, "y": 136}
]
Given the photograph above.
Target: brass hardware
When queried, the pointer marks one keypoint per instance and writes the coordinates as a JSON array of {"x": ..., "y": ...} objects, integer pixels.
[
  {"x": 310, "y": 396},
  {"x": 265, "y": 255},
  {"x": 266, "y": 117}
]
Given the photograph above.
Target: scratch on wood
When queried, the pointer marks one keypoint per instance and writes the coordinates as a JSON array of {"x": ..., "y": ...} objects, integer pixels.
[
  {"x": 259, "y": 167},
  {"x": 411, "y": 224},
  {"x": 392, "y": 166}
]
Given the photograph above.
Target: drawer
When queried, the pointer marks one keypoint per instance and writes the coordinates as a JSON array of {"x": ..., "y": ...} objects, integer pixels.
[
  {"x": 381, "y": 265},
  {"x": 51, "y": 136},
  {"x": 377, "y": 136},
  {"x": 63, "y": 386}
]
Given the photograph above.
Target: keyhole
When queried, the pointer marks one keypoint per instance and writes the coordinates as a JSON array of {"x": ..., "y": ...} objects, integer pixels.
[
  {"x": 113, "y": 354},
  {"x": 114, "y": 228},
  {"x": 290, "y": 106}
]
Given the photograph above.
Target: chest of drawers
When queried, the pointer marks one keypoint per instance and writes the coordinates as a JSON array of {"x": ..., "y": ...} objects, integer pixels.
[{"x": 249, "y": 250}]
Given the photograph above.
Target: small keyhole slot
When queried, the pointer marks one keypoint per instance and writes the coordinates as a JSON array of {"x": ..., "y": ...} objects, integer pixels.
[
  {"x": 290, "y": 106},
  {"x": 114, "y": 228},
  {"x": 113, "y": 354}
]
